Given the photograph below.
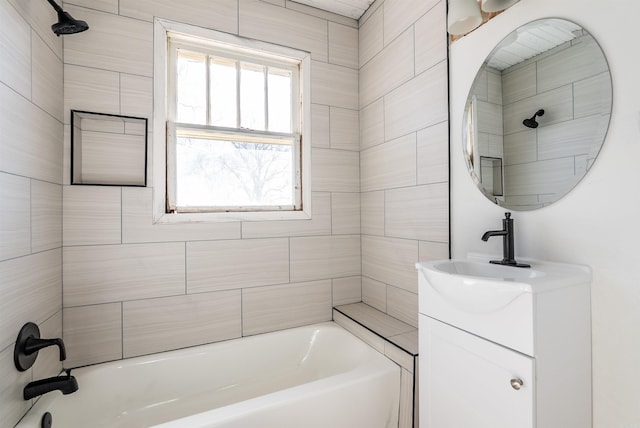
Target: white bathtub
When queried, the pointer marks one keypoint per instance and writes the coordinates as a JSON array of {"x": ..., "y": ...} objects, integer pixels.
[{"x": 314, "y": 376}]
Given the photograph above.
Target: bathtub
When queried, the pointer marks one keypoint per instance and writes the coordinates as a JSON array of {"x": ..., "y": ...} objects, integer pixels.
[{"x": 306, "y": 377}]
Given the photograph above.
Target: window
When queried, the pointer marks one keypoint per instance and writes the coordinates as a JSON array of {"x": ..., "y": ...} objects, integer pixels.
[{"x": 235, "y": 114}]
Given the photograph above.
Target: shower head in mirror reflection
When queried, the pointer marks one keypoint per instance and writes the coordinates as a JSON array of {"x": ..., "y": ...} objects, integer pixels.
[{"x": 532, "y": 123}]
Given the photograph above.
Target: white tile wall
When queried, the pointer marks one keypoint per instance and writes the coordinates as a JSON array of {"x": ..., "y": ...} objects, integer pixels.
[
  {"x": 221, "y": 14},
  {"x": 31, "y": 290},
  {"x": 90, "y": 89},
  {"x": 91, "y": 215},
  {"x": 320, "y": 126},
  {"x": 343, "y": 45},
  {"x": 46, "y": 216},
  {"x": 342, "y": 132},
  {"x": 31, "y": 139},
  {"x": 105, "y": 280},
  {"x": 372, "y": 124},
  {"x": 433, "y": 154},
  {"x": 30, "y": 192},
  {"x": 370, "y": 36},
  {"x": 404, "y": 149},
  {"x": 225, "y": 265},
  {"x": 324, "y": 257},
  {"x": 391, "y": 261},
  {"x": 419, "y": 212},
  {"x": 374, "y": 293},
  {"x": 345, "y": 213},
  {"x": 431, "y": 38},
  {"x": 576, "y": 97},
  {"x": 138, "y": 227},
  {"x": 346, "y": 290},
  {"x": 111, "y": 273},
  {"x": 12, "y": 405},
  {"x": 417, "y": 104},
  {"x": 46, "y": 77},
  {"x": 93, "y": 334},
  {"x": 372, "y": 213},
  {"x": 155, "y": 325},
  {"x": 397, "y": 20},
  {"x": 114, "y": 43},
  {"x": 262, "y": 21},
  {"x": 388, "y": 69},
  {"x": 334, "y": 85},
  {"x": 15, "y": 223},
  {"x": 319, "y": 224},
  {"x": 15, "y": 50},
  {"x": 284, "y": 306},
  {"x": 115, "y": 255},
  {"x": 335, "y": 170},
  {"x": 389, "y": 165}
]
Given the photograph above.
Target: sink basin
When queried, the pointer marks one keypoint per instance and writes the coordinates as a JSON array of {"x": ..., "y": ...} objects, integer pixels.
[
  {"x": 470, "y": 268},
  {"x": 493, "y": 301}
]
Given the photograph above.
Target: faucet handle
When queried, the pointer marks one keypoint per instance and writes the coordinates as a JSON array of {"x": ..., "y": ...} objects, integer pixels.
[{"x": 507, "y": 215}]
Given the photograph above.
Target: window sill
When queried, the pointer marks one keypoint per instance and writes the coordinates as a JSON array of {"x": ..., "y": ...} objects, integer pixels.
[{"x": 178, "y": 218}]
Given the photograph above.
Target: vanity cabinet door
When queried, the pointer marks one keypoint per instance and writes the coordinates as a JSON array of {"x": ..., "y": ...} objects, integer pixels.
[{"x": 467, "y": 381}]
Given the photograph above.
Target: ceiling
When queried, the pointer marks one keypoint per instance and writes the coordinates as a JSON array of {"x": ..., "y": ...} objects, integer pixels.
[
  {"x": 531, "y": 40},
  {"x": 350, "y": 8}
]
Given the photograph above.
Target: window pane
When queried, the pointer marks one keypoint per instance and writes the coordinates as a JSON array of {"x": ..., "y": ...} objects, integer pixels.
[
  {"x": 226, "y": 173},
  {"x": 252, "y": 112},
  {"x": 191, "y": 97},
  {"x": 223, "y": 93},
  {"x": 279, "y": 100}
]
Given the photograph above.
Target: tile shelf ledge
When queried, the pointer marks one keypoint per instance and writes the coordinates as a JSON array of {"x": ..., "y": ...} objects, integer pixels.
[{"x": 390, "y": 329}]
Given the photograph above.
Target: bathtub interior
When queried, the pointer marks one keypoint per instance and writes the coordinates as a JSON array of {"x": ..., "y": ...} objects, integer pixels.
[{"x": 160, "y": 388}]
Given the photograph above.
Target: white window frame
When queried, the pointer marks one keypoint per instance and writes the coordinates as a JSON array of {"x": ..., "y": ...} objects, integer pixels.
[{"x": 163, "y": 128}]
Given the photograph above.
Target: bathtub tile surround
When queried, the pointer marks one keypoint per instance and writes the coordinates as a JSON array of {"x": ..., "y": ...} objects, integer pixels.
[
  {"x": 403, "y": 149},
  {"x": 94, "y": 332},
  {"x": 154, "y": 325},
  {"x": 118, "y": 265},
  {"x": 154, "y": 287},
  {"x": 30, "y": 192}
]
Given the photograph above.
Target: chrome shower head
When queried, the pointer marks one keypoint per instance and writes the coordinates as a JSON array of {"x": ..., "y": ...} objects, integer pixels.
[
  {"x": 66, "y": 23},
  {"x": 531, "y": 123}
]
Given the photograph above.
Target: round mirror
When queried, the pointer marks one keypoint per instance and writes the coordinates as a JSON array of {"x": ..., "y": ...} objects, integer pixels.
[{"x": 537, "y": 114}]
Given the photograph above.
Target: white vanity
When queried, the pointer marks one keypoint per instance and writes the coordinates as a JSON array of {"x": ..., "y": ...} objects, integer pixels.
[{"x": 504, "y": 347}]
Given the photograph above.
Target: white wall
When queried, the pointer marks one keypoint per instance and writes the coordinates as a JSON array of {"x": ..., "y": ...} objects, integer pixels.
[{"x": 595, "y": 224}]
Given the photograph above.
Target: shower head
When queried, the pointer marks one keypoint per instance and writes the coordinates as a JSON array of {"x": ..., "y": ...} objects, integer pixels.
[
  {"x": 531, "y": 123},
  {"x": 66, "y": 23}
]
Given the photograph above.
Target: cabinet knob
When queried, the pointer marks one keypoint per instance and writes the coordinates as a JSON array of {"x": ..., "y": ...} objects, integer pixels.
[{"x": 516, "y": 383}]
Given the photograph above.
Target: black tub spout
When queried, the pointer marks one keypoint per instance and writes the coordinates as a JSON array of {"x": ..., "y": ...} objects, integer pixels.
[{"x": 65, "y": 384}]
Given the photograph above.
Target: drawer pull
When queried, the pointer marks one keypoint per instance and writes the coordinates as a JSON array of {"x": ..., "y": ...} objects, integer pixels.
[{"x": 517, "y": 383}]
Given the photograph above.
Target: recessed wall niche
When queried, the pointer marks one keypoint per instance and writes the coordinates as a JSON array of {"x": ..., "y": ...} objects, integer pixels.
[{"x": 108, "y": 149}]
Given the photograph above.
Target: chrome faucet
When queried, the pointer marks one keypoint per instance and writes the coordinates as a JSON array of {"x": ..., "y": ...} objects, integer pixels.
[
  {"x": 65, "y": 384},
  {"x": 508, "y": 248}
]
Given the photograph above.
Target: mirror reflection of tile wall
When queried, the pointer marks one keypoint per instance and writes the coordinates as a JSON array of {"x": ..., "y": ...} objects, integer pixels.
[{"x": 540, "y": 163}]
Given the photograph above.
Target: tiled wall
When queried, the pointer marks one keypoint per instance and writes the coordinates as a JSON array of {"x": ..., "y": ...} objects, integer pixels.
[
  {"x": 573, "y": 100},
  {"x": 403, "y": 149},
  {"x": 30, "y": 192},
  {"x": 487, "y": 96},
  {"x": 132, "y": 287}
]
